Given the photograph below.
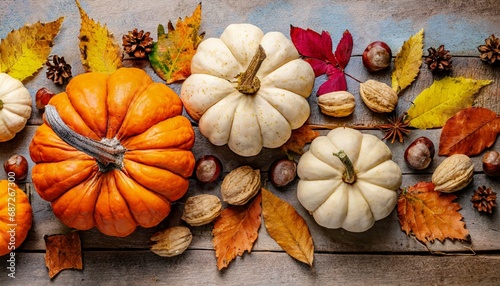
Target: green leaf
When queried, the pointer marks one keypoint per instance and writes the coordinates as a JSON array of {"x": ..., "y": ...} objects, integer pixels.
[
  {"x": 25, "y": 51},
  {"x": 442, "y": 100},
  {"x": 171, "y": 56},
  {"x": 407, "y": 62}
]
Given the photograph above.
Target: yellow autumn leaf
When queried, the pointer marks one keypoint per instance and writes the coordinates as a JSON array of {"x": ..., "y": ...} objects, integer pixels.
[
  {"x": 407, "y": 62},
  {"x": 287, "y": 228},
  {"x": 444, "y": 98},
  {"x": 98, "y": 50},
  {"x": 25, "y": 51},
  {"x": 171, "y": 56}
]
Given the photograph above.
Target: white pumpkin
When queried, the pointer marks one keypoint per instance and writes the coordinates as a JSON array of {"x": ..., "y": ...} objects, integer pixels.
[
  {"x": 248, "y": 120},
  {"x": 334, "y": 199},
  {"x": 15, "y": 106}
]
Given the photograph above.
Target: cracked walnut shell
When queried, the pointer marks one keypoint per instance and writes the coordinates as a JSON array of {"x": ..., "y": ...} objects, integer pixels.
[
  {"x": 240, "y": 185},
  {"x": 201, "y": 209}
]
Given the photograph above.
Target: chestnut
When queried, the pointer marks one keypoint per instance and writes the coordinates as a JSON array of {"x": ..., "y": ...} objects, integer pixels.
[
  {"x": 208, "y": 169},
  {"x": 16, "y": 166},
  {"x": 282, "y": 172},
  {"x": 42, "y": 97},
  {"x": 377, "y": 56},
  {"x": 491, "y": 163},
  {"x": 419, "y": 154}
]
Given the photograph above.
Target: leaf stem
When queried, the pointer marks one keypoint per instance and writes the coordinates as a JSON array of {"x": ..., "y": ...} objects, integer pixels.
[
  {"x": 349, "y": 175},
  {"x": 352, "y": 77},
  {"x": 248, "y": 83}
]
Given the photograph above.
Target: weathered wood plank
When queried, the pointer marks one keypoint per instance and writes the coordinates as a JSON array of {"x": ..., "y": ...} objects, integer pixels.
[{"x": 197, "y": 267}]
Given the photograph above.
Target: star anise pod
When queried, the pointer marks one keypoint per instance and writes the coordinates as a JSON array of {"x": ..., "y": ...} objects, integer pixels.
[
  {"x": 490, "y": 52},
  {"x": 484, "y": 199},
  {"x": 58, "y": 70},
  {"x": 438, "y": 60},
  {"x": 137, "y": 43},
  {"x": 396, "y": 128}
]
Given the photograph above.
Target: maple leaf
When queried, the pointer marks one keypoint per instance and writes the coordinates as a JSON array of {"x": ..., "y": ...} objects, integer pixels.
[
  {"x": 287, "y": 228},
  {"x": 430, "y": 215},
  {"x": 469, "y": 132},
  {"x": 298, "y": 139},
  {"x": 25, "y": 51},
  {"x": 171, "y": 56},
  {"x": 63, "y": 252},
  {"x": 317, "y": 51},
  {"x": 407, "y": 62},
  {"x": 98, "y": 50},
  {"x": 443, "y": 99},
  {"x": 235, "y": 231}
]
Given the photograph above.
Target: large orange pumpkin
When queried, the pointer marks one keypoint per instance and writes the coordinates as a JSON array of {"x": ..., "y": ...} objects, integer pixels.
[
  {"x": 113, "y": 152},
  {"x": 15, "y": 216}
]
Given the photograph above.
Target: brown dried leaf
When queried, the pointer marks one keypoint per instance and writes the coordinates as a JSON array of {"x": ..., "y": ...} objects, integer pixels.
[
  {"x": 469, "y": 132},
  {"x": 430, "y": 215},
  {"x": 235, "y": 231},
  {"x": 63, "y": 252},
  {"x": 299, "y": 138},
  {"x": 287, "y": 228}
]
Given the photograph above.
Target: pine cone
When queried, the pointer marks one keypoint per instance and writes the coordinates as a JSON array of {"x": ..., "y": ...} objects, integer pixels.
[
  {"x": 137, "y": 44},
  {"x": 438, "y": 60},
  {"x": 58, "y": 70},
  {"x": 484, "y": 199},
  {"x": 490, "y": 52}
]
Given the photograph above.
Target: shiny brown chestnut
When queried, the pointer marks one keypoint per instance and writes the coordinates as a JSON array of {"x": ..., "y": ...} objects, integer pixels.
[
  {"x": 208, "y": 169},
  {"x": 491, "y": 163},
  {"x": 16, "y": 166},
  {"x": 419, "y": 153},
  {"x": 282, "y": 172},
  {"x": 377, "y": 56},
  {"x": 42, "y": 97}
]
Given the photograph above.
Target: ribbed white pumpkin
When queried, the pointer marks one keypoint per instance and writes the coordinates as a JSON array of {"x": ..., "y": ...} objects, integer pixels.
[
  {"x": 248, "y": 122},
  {"x": 335, "y": 203},
  {"x": 15, "y": 106}
]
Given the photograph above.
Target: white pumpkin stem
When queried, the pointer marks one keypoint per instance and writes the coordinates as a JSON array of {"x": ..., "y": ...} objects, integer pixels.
[
  {"x": 1, "y": 104},
  {"x": 248, "y": 83},
  {"x": 349, "y": 175},
  {"x": 107, "y": 152}
]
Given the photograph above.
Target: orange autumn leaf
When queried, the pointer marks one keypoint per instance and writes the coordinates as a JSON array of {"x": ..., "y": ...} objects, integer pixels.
[
  {"x": 171, "y": 55},
  {"x": 235, "y": 231},
  {"x": 469, "y": 132},
  {"x": 430, "y": 215},
  {"x": 300, "y": 137},
  {"x": 287, "y": 228},
  {"x": 63, "y": 252}
]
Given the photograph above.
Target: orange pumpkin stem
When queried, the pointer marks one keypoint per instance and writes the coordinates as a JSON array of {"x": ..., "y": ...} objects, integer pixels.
[
  {"x": 248, "y": 83},
  {"x": 108, "y": 152},
  {"x": 349, "y": 175}
]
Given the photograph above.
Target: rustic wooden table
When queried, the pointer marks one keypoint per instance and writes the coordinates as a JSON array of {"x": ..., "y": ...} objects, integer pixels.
[{"x": 383, "y": 255}]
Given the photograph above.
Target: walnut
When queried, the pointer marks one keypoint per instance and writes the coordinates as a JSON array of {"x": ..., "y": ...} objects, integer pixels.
[
  {"x": 378, "y": 96},
  {"x": 337, "y": 103},
  {"x": 240, "y": 185},
  {"x": 453, "y": 174},
  {"x": 171, "y": 241},
  {"x": 201, "y": 209}
]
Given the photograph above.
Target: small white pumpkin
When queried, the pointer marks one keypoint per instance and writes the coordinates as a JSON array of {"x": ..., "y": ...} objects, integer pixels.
[
  {"x": 349, "y": 197},
  {"x": 246, "y": 98},
  {"x": 15, "y": 106}
]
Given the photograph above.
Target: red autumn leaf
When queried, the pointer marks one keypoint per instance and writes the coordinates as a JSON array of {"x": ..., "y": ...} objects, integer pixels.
[
  {"x": 63, "y": 252},
  {"x": 317, "y": 51},
  {"x": 344, "y": 50},
  {"x": 469, "y": 132},
  {"x": 235, "y": 231},
  {"x": 430, "y": 215}
]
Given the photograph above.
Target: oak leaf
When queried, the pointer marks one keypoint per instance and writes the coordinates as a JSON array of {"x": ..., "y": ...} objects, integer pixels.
[
  {"x": 430, "y": 215},
  {"x": 443, "y": 99},
  {"x": 317, "y": 51},
  {"x": 287, "y": 228},
  {"x": 235, "y": 231},
  {"x": 171, "y": 56},
  {"x": 407, "y": 62},
  {"x": 63, "y": 252},
  {"x": 299, "y": 138},
  {"x": 98, "y": 50},
  {"x": 469, "y": 132},
  {"x": 25, "y": 51}
]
